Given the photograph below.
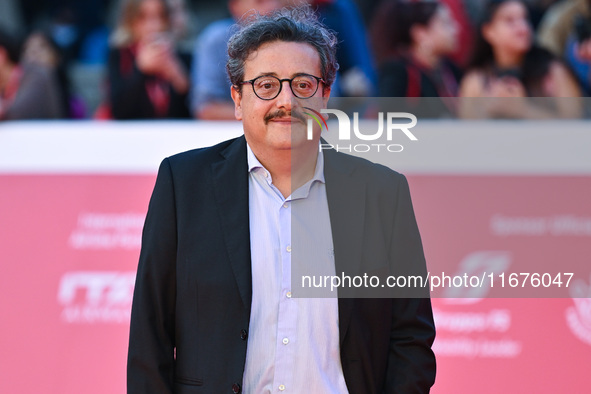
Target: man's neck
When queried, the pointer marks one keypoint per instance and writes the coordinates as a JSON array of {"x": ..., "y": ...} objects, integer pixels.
[{"x": 290, "y": 168}]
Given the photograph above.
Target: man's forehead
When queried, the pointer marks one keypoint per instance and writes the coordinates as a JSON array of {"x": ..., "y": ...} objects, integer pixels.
[{"x": 277, "y": 57}]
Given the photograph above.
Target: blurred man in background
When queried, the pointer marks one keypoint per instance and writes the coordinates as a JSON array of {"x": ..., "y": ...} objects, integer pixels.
[{"x": 210, "y": 96}]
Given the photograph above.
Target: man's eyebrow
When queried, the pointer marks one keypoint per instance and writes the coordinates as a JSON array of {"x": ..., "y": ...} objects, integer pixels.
[
  {"x": 266, "y": 74},
  {"x": 274, "y": 74}
]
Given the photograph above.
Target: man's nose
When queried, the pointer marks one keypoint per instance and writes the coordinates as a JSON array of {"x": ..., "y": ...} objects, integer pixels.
[{"x": 285, "y": 97}]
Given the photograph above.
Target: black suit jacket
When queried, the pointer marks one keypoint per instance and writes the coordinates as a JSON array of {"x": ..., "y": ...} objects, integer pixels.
[{"x": 191, "y": 305}]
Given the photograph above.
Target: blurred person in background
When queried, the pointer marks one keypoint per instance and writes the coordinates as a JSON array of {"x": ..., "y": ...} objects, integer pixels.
[
  {"x": 357, "y": 75},
  {"x": 179, "y": 19},
  {"x": 183, "y": 26},
  {"x": 210, "y": 95},
  {"x": 584, "y": 50},
  {"x": 28, "y": 90},
  {"x": 579, "y": 56},
  {"x": 147, "y": 78},
  {"x": 578, "y": 46},
  {"x": 537, "y": 9},
  {"x": 412, "y": 41},
  {"x": 465, "y": 35},
  {"x": 77, "y": 27},
  {"x": 565, "y": 30},
  {"x": 508, "y": 66},
  {"x": 40, "y": 49},
  {"x": 558, "y": 22}
]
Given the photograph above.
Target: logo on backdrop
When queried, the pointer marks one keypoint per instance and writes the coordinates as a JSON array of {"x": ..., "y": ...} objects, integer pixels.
[
  {"x": 107, "y": 231},
  {"x": 467, "y": 332},
  {"x": 480, "y": 264},
  {"x": 373, "y": 138},
  {"x": 96, "y": 297},
  {"x": 578, "y": 317}
]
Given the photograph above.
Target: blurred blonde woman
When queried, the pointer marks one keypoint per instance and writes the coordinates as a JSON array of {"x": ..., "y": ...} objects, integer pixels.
[{"x": 147, "y": 77}]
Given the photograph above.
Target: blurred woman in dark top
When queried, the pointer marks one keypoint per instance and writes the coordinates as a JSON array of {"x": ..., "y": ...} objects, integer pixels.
[
  {"x": 507, "y": 66},
  {"x": 147, "y": 78},
  {"x": 411, "y": 40}
]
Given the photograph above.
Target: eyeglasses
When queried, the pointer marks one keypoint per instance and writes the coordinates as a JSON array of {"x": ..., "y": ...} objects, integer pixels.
[{"x": 267, "y": 87}]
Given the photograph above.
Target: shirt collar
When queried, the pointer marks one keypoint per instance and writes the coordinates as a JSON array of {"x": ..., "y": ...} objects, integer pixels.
[{"x": 254, "y": 163}]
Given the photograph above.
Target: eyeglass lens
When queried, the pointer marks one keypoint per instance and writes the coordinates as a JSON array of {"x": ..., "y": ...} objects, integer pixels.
[{"x": 268, "y": 87}]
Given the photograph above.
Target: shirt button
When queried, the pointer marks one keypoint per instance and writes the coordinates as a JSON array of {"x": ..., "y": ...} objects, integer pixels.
[
  {"x": 266, "y": 174},
  {"x": 285, "y": 205},
  {"x": 281, "y": 387},
  {"x": 288, "y": 294},
  {"x": 285, "y": 341},
  {"x": 288, "y": 248}
]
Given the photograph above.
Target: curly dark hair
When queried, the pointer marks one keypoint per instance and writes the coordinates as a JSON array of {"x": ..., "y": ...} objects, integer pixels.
[{"x": 298, "y": 24}]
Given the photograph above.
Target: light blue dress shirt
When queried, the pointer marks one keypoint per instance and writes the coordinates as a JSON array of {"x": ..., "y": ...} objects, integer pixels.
[{"x": 293, "y": 343}]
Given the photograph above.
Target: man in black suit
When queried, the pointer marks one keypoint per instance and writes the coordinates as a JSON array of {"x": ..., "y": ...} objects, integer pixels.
[{"x": 213, "y": 310}]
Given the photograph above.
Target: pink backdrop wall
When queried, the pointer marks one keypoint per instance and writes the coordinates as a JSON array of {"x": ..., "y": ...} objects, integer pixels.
[{"x": 70, "y": 239}]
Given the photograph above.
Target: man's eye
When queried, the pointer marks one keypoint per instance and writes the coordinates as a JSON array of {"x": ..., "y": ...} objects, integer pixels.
[
  {"x": 266, "y": 84},
  {"x": 302, "y": 84}
]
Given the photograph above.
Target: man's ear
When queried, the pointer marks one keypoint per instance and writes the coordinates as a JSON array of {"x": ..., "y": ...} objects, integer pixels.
[{"x": 237, "y": 97}]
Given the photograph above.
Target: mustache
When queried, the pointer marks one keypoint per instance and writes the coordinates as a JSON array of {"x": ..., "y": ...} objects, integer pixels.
[{"x": 281, "y": 113}]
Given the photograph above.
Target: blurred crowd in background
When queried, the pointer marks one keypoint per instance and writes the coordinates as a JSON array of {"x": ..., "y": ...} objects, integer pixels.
[{"x": 147, "y": 59}]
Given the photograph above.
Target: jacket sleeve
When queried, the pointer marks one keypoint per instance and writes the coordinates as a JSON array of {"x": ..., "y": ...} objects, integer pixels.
[
  {"x": 411, "y": 362},
  {"x": 151, "y": 357}
]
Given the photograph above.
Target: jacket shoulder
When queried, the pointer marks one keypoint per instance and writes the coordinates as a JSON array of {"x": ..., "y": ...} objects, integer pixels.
[
  {"x": 203, "y": 157},
  {"x": 361, "y": 167}
]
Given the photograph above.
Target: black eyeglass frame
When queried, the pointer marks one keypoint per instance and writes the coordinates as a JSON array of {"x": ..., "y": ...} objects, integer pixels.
[{"x": 290, "y": 80}]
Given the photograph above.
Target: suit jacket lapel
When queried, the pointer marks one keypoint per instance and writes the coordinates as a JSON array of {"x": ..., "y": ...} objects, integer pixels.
[
  {"x": 346, "y": 204},
  {"x": 230, "y": 179}
]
